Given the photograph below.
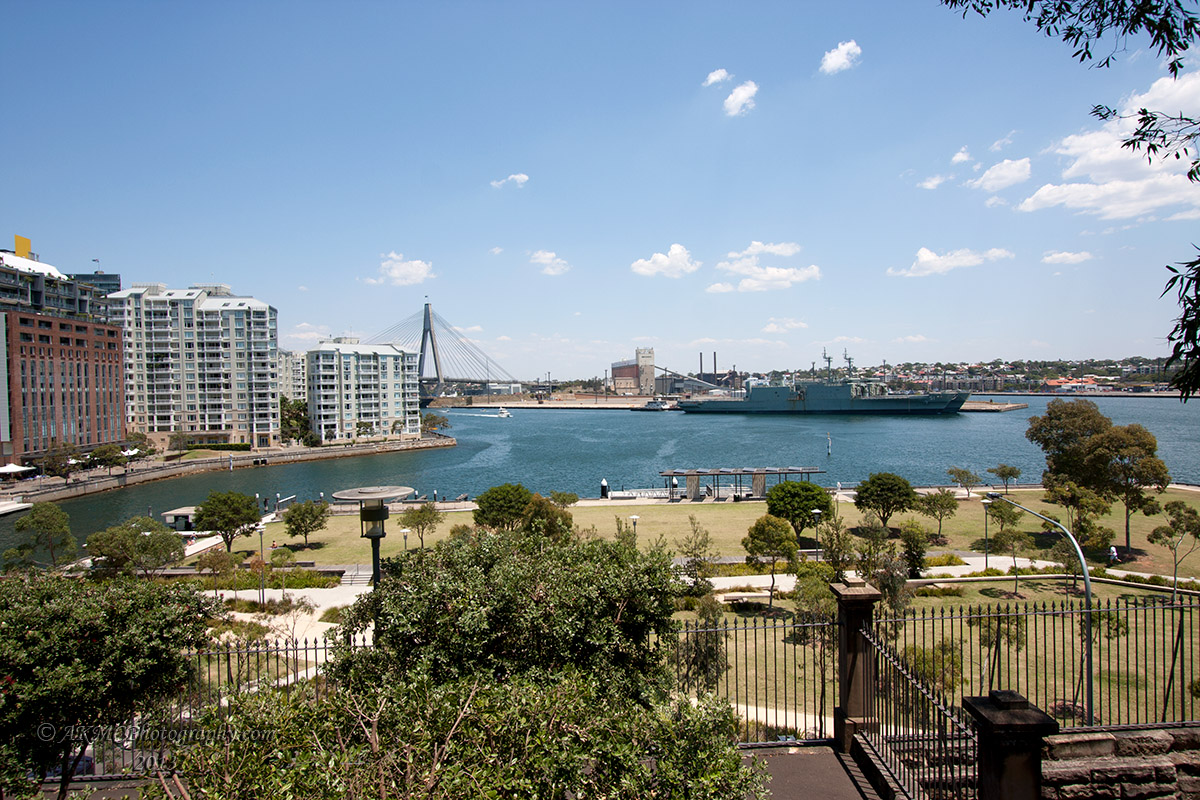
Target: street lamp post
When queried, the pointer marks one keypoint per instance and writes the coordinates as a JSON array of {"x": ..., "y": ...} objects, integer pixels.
[
  {"x": 986, "y": 505},
  {"x": 816, "y": 515},
  {"x": 372, "y": 511},
  {"x": 405, "y": 531},
  {"x": 1087, "y": 595},
  {"x": 634, "y": 518}
]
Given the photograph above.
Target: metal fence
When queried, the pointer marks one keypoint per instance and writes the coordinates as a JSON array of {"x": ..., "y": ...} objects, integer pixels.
[
  {"x": 1145, "y": 656},
  {"x": 925, "y": 741},
  {"x": 779, "y": 675}
]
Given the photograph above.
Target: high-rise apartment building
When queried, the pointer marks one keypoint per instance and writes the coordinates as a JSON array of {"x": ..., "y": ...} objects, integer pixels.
[
  {"x": 61, "y": 371},
  {"x": 357, "y": 390},
  {"x": 199, "y": 361},
  {"x": 293, "y": 375}
]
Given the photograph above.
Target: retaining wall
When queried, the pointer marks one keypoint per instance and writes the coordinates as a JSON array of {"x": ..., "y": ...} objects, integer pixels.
[{"x": 1136, "y": 763}]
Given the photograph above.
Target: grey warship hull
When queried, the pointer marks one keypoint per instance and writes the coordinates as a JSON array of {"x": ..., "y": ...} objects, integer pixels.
[{"x": 846, "y": 397}]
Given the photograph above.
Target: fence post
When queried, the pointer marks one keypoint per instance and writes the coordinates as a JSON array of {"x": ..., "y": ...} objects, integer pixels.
[
  {"x": 856, "y": 601},
  {"x": 1010, "y": 745}
]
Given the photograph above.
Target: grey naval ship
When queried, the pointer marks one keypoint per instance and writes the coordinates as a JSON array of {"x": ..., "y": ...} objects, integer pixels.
[{"x": 847, "y": 395}]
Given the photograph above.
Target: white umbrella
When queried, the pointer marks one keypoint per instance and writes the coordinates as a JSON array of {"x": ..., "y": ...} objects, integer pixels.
[
  {"x": 132, "y": 452},
  {"x": 13, "y": 469}
]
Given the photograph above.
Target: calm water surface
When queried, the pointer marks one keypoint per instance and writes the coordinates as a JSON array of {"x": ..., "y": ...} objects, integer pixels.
[{"x": 571, "y": 450}]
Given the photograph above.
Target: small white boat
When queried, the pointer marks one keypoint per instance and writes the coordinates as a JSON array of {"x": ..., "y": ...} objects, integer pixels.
[{"x": 503, "y": 412}]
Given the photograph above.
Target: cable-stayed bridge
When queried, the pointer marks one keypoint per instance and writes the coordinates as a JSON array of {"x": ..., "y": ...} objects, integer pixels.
[{"x": 448, "y": 358}]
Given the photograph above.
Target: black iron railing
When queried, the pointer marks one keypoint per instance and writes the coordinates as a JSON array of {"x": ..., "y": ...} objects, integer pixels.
[
  {"x": 1145, "y": 656},
  {"x": 779, "y": 675}
]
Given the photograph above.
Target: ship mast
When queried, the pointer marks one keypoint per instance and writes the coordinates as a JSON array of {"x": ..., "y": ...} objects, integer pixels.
[
  {"x": 828, "y": 365},
  {"x": 849, "y": 364}
]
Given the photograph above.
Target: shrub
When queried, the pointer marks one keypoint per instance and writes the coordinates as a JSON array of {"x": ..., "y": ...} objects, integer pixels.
[
  {"x": 939, "y": 591},
  {"x": 243, "y": 447},
  {"x": 944, "y": 560}
]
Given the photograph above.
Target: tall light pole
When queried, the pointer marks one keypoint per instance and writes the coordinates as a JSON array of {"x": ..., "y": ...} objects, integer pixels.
[
  {"x": 1087, "y": 595},
  {"x": 986, "y": 505},
  {"x": 816, "y": 515},
  {"x": 634, "y": 518}
]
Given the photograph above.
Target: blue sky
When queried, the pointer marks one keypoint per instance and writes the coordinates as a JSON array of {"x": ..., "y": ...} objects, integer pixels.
[{"x": 569, "y": 181}]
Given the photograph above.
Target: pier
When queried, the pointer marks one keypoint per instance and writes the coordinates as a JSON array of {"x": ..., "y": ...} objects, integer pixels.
[{"x": 992, "y": 406}]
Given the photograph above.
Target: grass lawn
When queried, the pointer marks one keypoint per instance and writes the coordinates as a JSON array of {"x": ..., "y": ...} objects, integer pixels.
[{"x": 728, "y": 522}]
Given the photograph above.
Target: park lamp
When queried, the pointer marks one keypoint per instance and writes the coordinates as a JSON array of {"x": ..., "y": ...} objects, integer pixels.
[
  {"x": 1087, "y": 591},
  {"x": 986, "y": 548},
  {"x": 372, "y": 511},
  {"x": 634, "y": 518},
  {"x": 816, "y": 515}
]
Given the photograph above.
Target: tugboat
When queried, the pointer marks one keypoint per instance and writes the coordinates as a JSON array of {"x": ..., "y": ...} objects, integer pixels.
[
  {"x": 845, "y": 396},
  {"x": 657, "y": 404}
]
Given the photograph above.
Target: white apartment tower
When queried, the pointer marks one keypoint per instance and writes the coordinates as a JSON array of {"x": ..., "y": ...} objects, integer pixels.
[
  {"x": 200, "y": 361},
  {"x": 293, "y": 375},
  {"x": 358, "y": 390}
]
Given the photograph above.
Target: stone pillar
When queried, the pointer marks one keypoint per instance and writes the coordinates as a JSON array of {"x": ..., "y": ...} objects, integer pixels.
[
  {"x": 758, "y": 484},
  {"x": 693, "y": 488},
  {"x": 1010, "y": 745},
  {"x": 856, "y": 601}
]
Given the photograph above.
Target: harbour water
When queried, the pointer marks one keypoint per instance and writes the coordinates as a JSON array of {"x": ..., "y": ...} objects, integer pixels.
[{"x": 572, "y": 450}]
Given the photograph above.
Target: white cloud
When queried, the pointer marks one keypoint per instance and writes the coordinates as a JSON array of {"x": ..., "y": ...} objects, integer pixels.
[
  {"x": 519, "y": 178},
  {"x": 783, "y": 325},
  {"x": 1001, "y": 176},
  {"x": 503, "y": 338},
  {"x": 496, "y": 251},
  {"x": 995, "y": 201},
  {"x": 716, "y": 76},
  {"x": 1111, "y": 182},
  {"x": 758, "y": 278},
  {"x": 1000, "y": 144},
  {"x": 303, "y": 335},
  {"x": 930, "y": 263},
  {"x": 301, "y": 288},
  {"x": 934, "y": 181},
  {"x": 961, "y": 156},
  {"x": 913, "y": 339},
  {"x": 848, "y": 340},
  {"x": 396, "y": 271},
  {"x": 675, "y": 263},
  {"x": 720, "y": 288},
  {"x": 550, "y": 263},
  {"x": 741, "y": 99},
  {"x": 1063, "y": 257},
  {"x": 841, "y": 57}
]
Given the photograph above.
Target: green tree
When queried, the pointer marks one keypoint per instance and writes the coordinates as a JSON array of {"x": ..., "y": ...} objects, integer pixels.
[
  {"x": 76, "y": 656},
  {"x": 422, "y": 519},
  {"x": 293, "y": 419},
  {"x": 964, "y": 478},
  {"x": 141, "y": 442},
  {"x": 216, "y": 562},
  {"x": 229, "y": 514},
  {"x": 546, "y": 518},
  {"x": 57, "y": 461},
  {"x": 177, "y": 441},
  {"x": 138, "y": 545},
  {"x": 1084, "y": 506},
  {"x": 939, "y": 505},
  {"x": 884, "y": 494},
  {"x": 1168, "y": 135},
  {"x": 837, "y": 547},
  {"x": 501, "y": 507},
  {"x": 915, "y": 539},
  {"x": 795, "y": 501},
  {"x": 773, "y": 539},
  {"x": 432, "y": 423},
  {"x": 48, "y": 530},
  {"x": 1005, "y": 473},
  {"x": 564, "y": 499},
  {"x": 1125, "y": 461},
  {"x": 303, "y": 519},
  {"x": 109, "y": 456},
  {"x": 940, "y": 666},
  {"x": 697, "y": 551},
  {"x": 1181, "y": 535},
  {"x": 508, "y": 603},
  {"x": 363, "y": 428},
  {"x": 1063, "y": 433},
  {"x": 1009, "y": 537}
]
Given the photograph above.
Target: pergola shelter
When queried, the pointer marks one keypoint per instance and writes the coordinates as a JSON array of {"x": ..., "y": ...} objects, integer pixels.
[{"x": 701, "y": 483}]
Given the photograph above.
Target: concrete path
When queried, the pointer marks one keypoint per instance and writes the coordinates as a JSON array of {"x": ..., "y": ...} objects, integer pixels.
[{"x": 811, "y": 772}]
